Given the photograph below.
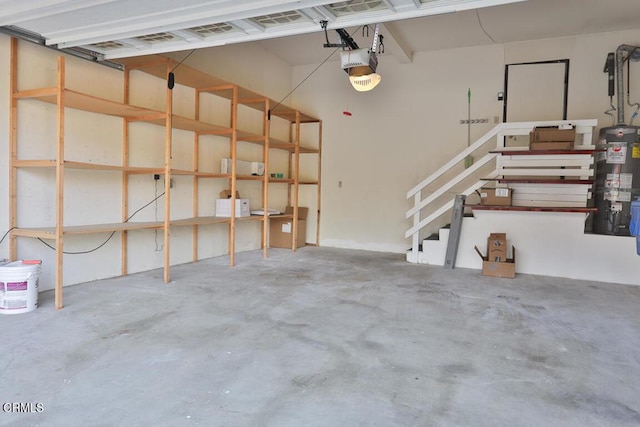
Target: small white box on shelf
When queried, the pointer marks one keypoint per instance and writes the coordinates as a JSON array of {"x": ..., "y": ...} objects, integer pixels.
[{"x": 223, "y": 208}]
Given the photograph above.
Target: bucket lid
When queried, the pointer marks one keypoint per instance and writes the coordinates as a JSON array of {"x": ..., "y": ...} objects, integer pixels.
[{"x": 22, "y": 264}]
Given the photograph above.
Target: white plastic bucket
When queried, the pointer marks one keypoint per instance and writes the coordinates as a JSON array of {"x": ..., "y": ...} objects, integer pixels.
[{"x": 19, "y": 286}]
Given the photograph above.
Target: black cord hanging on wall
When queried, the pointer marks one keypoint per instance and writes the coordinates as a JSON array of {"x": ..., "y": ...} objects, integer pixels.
[{"x": 171, "y": 78}]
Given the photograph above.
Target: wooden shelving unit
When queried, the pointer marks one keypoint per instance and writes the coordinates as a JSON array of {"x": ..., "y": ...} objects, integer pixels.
[{"x": 202, "y": 84}]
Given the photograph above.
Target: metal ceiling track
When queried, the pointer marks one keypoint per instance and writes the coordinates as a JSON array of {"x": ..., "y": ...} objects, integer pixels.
[{"x": 78, "y": 52}]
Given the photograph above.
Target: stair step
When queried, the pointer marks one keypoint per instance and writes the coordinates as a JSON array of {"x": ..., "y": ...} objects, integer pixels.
[
  {"x": 541, "y": 152},
  {"x": 539, "y": 181},
  {"x": 533, "y": 208}
]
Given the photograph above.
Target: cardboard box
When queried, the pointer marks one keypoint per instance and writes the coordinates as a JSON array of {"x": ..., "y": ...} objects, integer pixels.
[
  {"x": 302, "y": 212},
  {"x": 505, "y": 269},
  {"x": 497, "y": 247},
  {"x": 281, "y": 229},
  {"x": 496, "y": 196},
  {"x": 552, "y": 134},
  {"x": 226, "y": 194},
  {"x": 223, "y": 208},
  {"x": 552, "y": 145}
]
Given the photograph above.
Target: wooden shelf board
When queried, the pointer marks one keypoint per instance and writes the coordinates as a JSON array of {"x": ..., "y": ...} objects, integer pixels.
[
  {"x": 251, "y": 218},
  {"x": 101, "y": 228},
  {"x": 222, "y": 131},
  {"x": 93, "y": 166},
  {"x": 197, "y": 126},
  {"x": 140, "y": 170},
  {"x": 304, "y": 182},
  {"x": 279, "y": 143},
  {"x": 49, "y": 232},
  {"x": 281, "y": 180},
  {"x": 36, "y": 93},
  {"x": 42, "y": 233},
  {"x": 533, "y": 208},
  {"x": 241, "y": 135},
  {"x": 306, "y": 150},
  {"x": 35, "y": 163},
  {"x": 250, "y": 177},
  {"x": 281, "y": 216},
  {"x": 71, "y": 164},
  {"x": 185, "y": 123},
  {"x": 289, "y": 114},
  {"x": 204, "y": 220},
  {"x": 250, "y": 137},
  {"x": 292, "y": 147},
  {"x": 211, "y": 175},
  {"x": 282, "y": 146},
  {"x": 158, "y": 66},
  {"x": 184, "y": 172},
  {"x": 93, "y": 104},
  {"x": 84, "y": 102}
]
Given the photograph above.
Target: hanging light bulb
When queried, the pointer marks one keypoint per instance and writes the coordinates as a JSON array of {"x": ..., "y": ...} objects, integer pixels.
[{"x": 365, "y": 82}]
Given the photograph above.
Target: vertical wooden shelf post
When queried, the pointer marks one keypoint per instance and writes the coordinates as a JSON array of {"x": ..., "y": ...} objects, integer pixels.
[
  {"x": 196, "y": 180},
  {"x": 60, "y": 182},
  {"x": 234, "y": 146},
  {"x": 125, "y": 177},
  {"x": 13, "y": 155},
  {"x": 266, "y": 129},
  {"x": 167, "y": 179},
  {"x": 319, "y": 182},
  {"x": 296, "y": 183}
]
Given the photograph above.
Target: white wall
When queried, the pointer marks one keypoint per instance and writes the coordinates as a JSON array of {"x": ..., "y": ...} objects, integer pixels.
[
  {"x": 404, "y": 128},
  {"x": 409, "y": 125}
]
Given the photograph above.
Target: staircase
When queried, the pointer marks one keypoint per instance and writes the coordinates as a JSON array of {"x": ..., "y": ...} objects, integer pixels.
[
  {"x": 546, "y": 222},
  {"x": 539, "y": 179}
]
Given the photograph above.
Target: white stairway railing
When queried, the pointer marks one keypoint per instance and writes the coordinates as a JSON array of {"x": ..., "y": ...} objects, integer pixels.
[{"x": 426, "y": 198}]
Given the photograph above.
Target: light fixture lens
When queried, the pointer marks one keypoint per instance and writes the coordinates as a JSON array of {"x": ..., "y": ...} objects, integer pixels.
[{"x": 366, "y": 82}]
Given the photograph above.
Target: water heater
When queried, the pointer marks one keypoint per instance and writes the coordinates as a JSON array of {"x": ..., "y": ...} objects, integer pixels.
[{"x": 617, "y": 179}]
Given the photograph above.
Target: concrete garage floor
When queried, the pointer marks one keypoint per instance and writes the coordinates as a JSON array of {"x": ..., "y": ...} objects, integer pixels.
[{"x": 326, "y": 337}]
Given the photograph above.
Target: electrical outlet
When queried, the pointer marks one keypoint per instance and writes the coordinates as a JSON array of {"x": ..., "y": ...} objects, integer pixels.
[
  {"x": 157, "y": 176},
  {"x": 474, "y": 121}
]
